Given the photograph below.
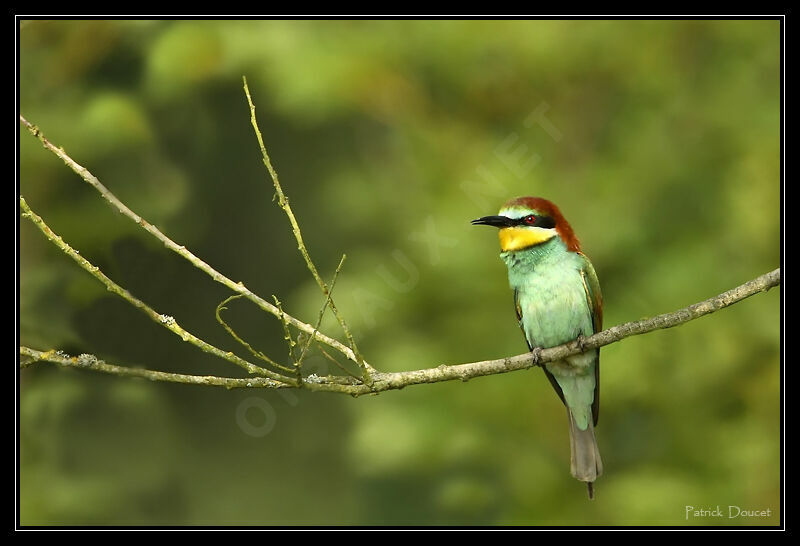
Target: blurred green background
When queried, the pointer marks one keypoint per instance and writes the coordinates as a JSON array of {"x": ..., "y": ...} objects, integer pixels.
[{"x": 659, "y": 141}]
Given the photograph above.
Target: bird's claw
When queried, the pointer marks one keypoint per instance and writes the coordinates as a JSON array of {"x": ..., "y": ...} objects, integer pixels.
[
  {"x": 581, "y": 341},
  {"x": 537, "y": 354}
]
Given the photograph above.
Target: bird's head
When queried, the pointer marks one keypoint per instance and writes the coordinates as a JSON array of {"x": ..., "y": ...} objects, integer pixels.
[{"x": 525, "y": 222}]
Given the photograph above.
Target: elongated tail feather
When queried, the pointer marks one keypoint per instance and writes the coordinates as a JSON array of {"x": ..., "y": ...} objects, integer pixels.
[{"x": 585, "y": 462}]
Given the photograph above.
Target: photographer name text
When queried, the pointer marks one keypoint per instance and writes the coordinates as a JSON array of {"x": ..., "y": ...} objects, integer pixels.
[{"x": 730, "y": 512}]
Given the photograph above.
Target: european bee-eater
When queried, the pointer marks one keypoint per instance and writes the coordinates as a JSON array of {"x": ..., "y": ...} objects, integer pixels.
[{"x": 557, "y": 299}]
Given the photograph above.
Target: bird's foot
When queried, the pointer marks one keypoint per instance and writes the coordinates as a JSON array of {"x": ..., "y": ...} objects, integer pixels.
[
  {"x": 581, "y": 341},
  {"x": 537, "y": 354}
]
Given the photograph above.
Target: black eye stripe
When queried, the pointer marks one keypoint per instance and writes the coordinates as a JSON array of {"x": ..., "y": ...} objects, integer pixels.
[
  {"x": 540, "y": 221},
  {"x": 545, "y": 222}
]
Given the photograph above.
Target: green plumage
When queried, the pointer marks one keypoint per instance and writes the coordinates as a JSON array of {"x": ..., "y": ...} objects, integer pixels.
[{"x": 554, "y": 308}]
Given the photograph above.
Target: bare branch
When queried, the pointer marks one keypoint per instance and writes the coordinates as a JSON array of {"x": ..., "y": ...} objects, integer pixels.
[
  {"x": 283, "y": 203},
  {"x": 166, "y": 321},
  {"x": 398, "y": 380},
  {"x": 91, "y": 362},
  {"x": 372, "y": 381},
  {"x": 239, "y": 287}
]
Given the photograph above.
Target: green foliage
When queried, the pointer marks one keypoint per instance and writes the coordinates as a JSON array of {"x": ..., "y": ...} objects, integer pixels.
[{"x": 659, "y": 141}]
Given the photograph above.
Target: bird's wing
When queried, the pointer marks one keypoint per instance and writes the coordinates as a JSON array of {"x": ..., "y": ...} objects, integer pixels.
[
  {"x": 593, "y": 295},
  {"x": 550, "y": 377},
  {"x": 595, "y": 300}
]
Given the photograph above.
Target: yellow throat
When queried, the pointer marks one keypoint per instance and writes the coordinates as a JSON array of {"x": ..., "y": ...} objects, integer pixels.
[{"x": 517, "y": 238}]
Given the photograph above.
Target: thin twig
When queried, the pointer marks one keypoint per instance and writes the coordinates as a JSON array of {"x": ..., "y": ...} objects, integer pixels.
[
  {"x": 283, "y": 202},
  {"x": 338, "y": 364},
  {"x": 398, "y": 380},
  {"x": 166, "y": 321},
  {"x": 287, "y": 336},
  {"x": 91, "y": 362},
  {"x": 237, "y": 287},
  {"x": 234, "y": 335},
  {"x": 322, "y": 311}
]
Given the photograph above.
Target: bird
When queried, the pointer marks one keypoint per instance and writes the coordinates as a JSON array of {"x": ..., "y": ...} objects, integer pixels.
[{"x": 557, "y": 299}]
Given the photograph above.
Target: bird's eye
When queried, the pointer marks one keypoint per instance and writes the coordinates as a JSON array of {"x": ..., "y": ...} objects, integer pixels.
[{"x": 530, "y": 219}]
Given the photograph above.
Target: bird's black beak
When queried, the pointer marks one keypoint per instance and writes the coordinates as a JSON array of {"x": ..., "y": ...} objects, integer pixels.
[{"x": 496, "y": 221}]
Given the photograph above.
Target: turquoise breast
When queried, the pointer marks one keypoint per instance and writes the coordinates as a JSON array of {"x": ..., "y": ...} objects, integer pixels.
[{"x": 550, "y": 293}]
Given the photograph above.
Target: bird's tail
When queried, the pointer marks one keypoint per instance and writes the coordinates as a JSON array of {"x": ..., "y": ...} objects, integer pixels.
[{"x": 585, "y": 462}]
